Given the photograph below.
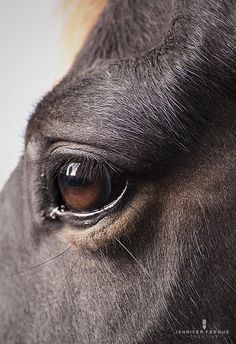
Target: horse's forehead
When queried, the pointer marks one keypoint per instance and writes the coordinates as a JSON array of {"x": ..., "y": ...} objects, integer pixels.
[
  {"x": 99, "y": 124},
  {"x": 108, "y": 130},
  {"x": 115, "y": 116}
]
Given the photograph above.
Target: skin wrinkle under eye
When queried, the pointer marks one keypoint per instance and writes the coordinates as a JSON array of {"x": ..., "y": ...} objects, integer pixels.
[{"x": 109, "y": 227}]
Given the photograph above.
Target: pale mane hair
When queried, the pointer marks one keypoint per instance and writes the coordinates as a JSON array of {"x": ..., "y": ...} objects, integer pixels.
[{"x": 80, "y": 17}]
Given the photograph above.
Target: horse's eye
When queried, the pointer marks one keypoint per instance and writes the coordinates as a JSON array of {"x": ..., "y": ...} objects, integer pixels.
[{"x": 87, "y": 188}]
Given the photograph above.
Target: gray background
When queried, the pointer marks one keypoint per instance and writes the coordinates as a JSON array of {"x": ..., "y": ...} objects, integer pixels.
[{"x": 30, "y": 63}]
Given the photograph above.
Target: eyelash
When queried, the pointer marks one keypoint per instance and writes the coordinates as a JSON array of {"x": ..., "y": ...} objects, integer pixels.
[{"x": 55, "y": 164}]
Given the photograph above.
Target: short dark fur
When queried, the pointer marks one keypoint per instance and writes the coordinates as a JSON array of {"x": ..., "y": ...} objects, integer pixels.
[{"x": 153, "y": 92}]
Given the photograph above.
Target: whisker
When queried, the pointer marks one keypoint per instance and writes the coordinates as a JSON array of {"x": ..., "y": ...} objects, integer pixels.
[
  {"x": 73, "y": 265},
  {"x": 65, "y": 278},
  {"x": 78, "y": 282},
  {"x": 136, "y": 260},
  {"x": 42, "y": 263}
]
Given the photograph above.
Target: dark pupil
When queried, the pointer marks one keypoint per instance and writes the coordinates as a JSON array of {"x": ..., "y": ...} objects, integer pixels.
[{"x": 83, "y": 191}]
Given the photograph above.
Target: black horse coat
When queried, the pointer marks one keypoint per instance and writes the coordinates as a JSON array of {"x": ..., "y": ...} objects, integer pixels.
[{"x": 152, "y": 94}]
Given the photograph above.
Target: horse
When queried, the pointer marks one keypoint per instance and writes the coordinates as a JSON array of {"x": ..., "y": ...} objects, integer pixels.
[{"x": 118, "y": 223}]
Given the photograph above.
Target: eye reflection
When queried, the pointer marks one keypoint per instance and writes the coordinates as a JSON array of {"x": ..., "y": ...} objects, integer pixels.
[{"x": 88, "y": 186}]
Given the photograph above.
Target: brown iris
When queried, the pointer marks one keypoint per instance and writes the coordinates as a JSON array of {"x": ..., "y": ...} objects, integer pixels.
[{"x": 85, "y": 187}]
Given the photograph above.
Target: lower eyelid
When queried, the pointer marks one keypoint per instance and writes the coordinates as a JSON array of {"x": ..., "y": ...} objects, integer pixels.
[{"x": 83, "y": 215}]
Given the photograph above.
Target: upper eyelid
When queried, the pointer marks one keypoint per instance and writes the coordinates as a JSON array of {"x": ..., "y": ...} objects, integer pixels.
[
  {"x": 100, "y": 153},
  {"x": 77, "y": 151},
  {"x": 57, "y": 158}
]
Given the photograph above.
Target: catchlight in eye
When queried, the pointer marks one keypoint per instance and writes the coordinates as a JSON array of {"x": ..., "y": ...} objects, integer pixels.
[
  {"x": 81, "y": 192},
  {"x": 88, "y": 187}
]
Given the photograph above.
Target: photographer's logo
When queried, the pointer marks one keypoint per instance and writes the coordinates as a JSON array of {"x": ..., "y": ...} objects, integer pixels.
[
  {"x": 204, "y": 324},
  {"x": 204, "y": 331}
]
